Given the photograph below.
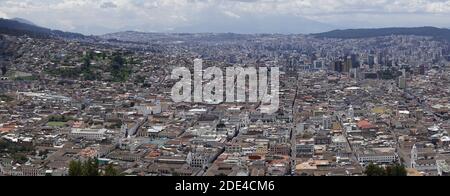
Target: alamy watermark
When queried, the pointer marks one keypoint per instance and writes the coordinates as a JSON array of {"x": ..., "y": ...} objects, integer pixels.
[{"x": 208, "y": 86}]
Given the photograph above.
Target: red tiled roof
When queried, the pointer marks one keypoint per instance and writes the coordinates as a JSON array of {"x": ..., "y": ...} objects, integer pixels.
[
  {"x": 6, "y": 130},
  {"x": 365, "y": 124}
]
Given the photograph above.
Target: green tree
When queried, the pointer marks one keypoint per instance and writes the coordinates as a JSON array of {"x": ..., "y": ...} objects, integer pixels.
[
  {"x": 119, "y": 71},
  {"x": 396, "y": 170},
  {"x": 117, "y": 62},
  {"x": 86, "y": 68},
  {"x": 90, "y": 167},
  {"x": 75, "y": 168},
  {"x": 393, "y": 170},
  {"x": 374, "y": 170},
  {"x": 20, "y": 158},
  {"x": 111, "y": 171},
  {"x": 86, "y": 63}
]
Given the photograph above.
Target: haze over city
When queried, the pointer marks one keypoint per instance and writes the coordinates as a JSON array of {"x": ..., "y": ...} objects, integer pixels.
[{"x": 236, "y": 16}]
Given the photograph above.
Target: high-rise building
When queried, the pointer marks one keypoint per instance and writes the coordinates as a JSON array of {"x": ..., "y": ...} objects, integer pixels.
[
  {"x": 379, "y": 59},
  {"x": 348, "y": 65},
  {"x": 337, "y": 66},
  {"x": 355, "y": 62},
  {"x": 402, "y": 80},
  {"x": 371, "y": 61},
  {"x": 355, "y": 73}
]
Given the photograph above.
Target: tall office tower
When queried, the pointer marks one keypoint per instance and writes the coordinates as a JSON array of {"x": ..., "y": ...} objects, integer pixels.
[
  {"x": 379, "y": 59},
  {"x": 355, "y": 73},
  {"x": 355, "y": 62},
  {"x": 347, "y": 65},
  {"x": 371, "y": 61},
  {"x": 402, "y": 80},
  {"x": 337, "y": 66}
]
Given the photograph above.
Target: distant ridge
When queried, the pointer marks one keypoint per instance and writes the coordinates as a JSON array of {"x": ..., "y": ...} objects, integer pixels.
[
  {"x": 438, "y": 33},
  {"x": 22, "y": 20},
  {"x": 251, "y": 24},
  {"x": 16, "y": 28}
]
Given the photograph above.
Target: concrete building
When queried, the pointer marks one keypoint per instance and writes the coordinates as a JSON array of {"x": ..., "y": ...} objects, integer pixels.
[{"x": 89, "y": 134}]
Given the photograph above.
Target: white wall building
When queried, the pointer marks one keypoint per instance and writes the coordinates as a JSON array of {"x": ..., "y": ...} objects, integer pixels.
[
  {"x": 89, "y": 134},
  {"x": 377, "y": 158}
]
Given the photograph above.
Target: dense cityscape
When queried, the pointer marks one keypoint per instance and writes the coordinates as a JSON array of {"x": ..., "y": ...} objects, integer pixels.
[{"x": 101, "y": 105}]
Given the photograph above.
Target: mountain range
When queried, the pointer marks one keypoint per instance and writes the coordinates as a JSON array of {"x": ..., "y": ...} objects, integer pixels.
[
  {"x": 25, "y": 21},
  {"x": 19, "y": 27},
  {"x": 437, "y": 33},
  {"x": 251, "y": 24}
]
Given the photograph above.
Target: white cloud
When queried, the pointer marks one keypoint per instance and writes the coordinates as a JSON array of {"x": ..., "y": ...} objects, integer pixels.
[
  {"x": 231, "y": 14},
  {"x": 3, "y": 15},
  {"x": 100, "y": 16}
]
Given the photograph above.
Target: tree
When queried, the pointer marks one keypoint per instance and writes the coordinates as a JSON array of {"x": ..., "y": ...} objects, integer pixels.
[
  {"x": 401, "y": 170},
  {"x": 117, "y": 62},
  {"x": 374, "y": 170},
  {"x": 75, "y": 168},
  {"x": 86, "y": 63},
  {"x": 20, "y": 158},
  {"x": 395, "y": 170},
  {"x": 119, "y": 71},
  {"x": 86, "y": 168},
  {"x": 90, "y": 167},
  {"x": 111, "y": 171}
]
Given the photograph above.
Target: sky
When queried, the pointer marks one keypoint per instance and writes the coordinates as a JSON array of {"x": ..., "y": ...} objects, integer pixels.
[{"x": 106, "y": 16}]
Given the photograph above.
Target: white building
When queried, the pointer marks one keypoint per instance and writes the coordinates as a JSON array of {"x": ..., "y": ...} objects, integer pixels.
[
  {"x": 422, "y": 159},
  {"x": 339, "y": 141},
  {"x": 89, "y": 134},
  {"x": 380, "y": 156},
  {"x": 377, "y": 158}
]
